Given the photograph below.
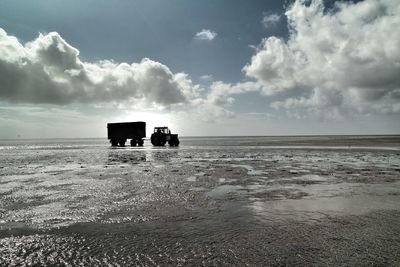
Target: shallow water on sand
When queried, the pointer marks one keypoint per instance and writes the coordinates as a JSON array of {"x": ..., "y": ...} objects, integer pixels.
[{"x": 212, "y": 201}]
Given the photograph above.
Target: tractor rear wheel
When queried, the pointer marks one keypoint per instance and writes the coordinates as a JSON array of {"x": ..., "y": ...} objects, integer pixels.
[
  {"x": 157, "y": 140},
  {"x": 173, "y": 142}
]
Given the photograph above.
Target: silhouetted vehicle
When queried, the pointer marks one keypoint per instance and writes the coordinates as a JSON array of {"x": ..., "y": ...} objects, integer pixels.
[
  {"x": 119, "y": 132},
  {"x": 162, "y": 135}
]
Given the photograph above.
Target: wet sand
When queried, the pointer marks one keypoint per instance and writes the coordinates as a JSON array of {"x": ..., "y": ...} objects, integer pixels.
[{"x": 298, "y": 205}]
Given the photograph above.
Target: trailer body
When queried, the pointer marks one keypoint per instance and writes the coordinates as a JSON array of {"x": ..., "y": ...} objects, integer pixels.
[{"x": 119, "y": 132}]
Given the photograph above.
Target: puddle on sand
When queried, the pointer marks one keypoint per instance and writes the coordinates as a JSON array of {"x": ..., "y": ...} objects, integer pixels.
[
  {"x": 312, "y": 177},
  {"x": 191, "y": 179},
  {"x": 250, "y": 169},
  {"x": 222, "y": 190},
  {"x": 4, "y": 225},
  {"x": 198, "y": 189},
  {"x": 303, "y": 179},
  {"x": 324, "y": 200}
]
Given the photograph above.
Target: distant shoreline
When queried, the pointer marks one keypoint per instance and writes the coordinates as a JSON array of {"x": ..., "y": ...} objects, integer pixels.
[{"x": 222, "y": 136}]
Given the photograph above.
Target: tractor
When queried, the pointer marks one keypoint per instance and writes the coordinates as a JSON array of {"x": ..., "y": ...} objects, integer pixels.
[{"x": 162, "y": 135}]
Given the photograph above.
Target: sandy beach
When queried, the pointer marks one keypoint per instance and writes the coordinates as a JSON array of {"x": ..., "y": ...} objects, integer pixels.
[{"x": 272, "y": 201}]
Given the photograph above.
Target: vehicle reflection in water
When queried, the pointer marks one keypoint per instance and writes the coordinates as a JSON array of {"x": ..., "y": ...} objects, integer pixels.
[
  {"x": 118, "y": 156},
  {"x": 128, "y": 155},
  {"x": 163, "y": 156}
]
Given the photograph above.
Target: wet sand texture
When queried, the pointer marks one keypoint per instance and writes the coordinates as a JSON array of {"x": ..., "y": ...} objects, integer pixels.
[{"x": 211, "y": 205}]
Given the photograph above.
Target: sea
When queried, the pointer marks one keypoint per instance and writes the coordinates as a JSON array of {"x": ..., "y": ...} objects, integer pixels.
[{"x": 311, "y": 141}]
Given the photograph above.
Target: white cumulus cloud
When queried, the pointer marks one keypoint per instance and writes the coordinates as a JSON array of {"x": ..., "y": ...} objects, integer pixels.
[
  {"x": 270, "y": 20},
  {"x": 345, "y": 58},
  {"x": 205, "y": 35},
  {"x": 49, "y": 70}
]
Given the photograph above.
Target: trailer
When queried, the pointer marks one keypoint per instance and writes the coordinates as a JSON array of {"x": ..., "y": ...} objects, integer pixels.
[{"x": 119, "y": 132}]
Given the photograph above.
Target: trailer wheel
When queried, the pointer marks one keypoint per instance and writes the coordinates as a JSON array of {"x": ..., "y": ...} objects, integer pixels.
[
  {"x": 122, "y": 142},
  {"x": 133, "y": 142},
  {"x": 140, "y": 142},
  {"x": 114, "y": 142}
]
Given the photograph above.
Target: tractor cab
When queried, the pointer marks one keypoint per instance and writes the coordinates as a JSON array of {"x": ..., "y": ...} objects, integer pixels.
[{"x": 162, "y": 130}]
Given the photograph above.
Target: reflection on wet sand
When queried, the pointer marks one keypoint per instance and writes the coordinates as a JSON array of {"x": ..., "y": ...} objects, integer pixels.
[
  {"x": 116, "y": 157},
  {"x": 322, "y": 201},
  {"x": 186, "y": 206}
]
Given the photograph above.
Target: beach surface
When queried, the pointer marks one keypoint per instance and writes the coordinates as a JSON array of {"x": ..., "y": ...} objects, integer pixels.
[{"x": 225, "y": 201}]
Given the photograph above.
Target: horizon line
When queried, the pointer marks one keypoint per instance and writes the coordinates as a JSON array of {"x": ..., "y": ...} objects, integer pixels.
[{"x": 216, "y": 136}]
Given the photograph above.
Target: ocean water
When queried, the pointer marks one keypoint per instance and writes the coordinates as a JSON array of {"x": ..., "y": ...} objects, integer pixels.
[
  {"x": 346, "y": 142},
  {"x": 310, "y": 200}
]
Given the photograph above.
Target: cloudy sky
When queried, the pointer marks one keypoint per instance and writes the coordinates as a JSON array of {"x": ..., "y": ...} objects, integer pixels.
[{"x": 202, "y": 67}]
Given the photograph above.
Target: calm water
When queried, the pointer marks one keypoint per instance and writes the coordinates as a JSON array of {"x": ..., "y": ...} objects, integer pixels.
[
  {"x": 319, "y": 200},
  {"x": 364, "y": 141}
]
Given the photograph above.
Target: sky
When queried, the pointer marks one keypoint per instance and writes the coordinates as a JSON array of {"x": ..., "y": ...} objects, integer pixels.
[{"x": 260, "y": 67}]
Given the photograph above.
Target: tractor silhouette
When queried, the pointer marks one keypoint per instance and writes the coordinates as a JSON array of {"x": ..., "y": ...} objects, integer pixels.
[{"x": 162, "y": 135}]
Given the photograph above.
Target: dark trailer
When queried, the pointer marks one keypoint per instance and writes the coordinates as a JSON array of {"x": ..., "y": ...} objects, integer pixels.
[{"x": 119, "y": 132}]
